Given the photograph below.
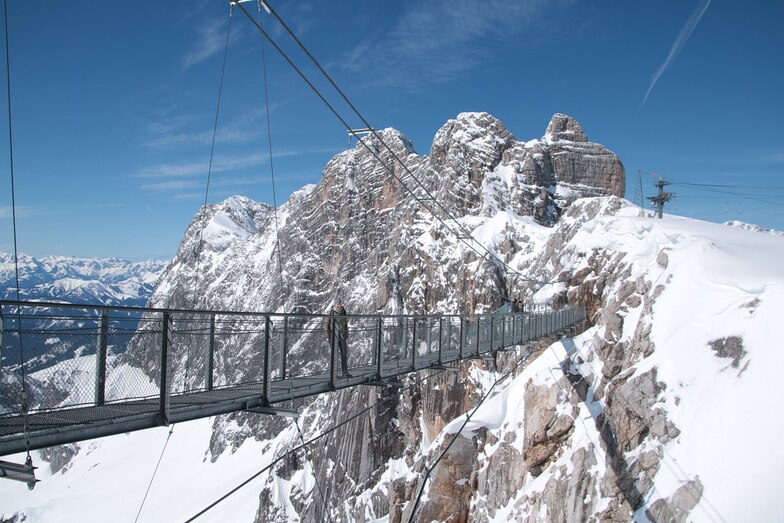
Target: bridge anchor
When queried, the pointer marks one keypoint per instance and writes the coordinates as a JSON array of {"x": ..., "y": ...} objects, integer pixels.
[{"x": 17, "y": 472}]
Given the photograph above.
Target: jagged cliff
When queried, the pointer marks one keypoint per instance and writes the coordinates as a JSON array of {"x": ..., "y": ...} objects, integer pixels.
[
  {"x": 362, "y": 234},
  {"x": 642, "y": 416}
]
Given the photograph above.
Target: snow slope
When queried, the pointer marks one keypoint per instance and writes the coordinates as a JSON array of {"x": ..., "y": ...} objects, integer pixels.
[{"x": 716, "y": 282}]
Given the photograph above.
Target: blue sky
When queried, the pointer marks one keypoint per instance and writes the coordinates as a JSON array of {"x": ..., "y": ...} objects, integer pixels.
[{"x": 114, "y": 103}]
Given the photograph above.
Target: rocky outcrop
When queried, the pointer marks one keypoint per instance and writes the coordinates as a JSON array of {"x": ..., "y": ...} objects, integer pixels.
[
  {"x": 545, "y": 425},
  {"x": 372, "y": 234},
  {"x": 577, "y": 161}
]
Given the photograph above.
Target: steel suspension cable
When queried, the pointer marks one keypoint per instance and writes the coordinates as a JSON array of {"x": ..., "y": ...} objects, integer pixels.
[
  {"x": 199, "y": 248},
  {"x": 212, "y": 149},
  {"x": 315, "y": 476},
  {"x": 272, "y": 163},
  {"x": 25, "y": 405},
  {"x": 449, "y": 216},
  {"x": 430, "y": 469},
  {"x": 149, "y": 486},
  {"x": 303, "y": 446},
  {"x": 389, "y": 169},
  {"x": 207, "y": 189},
  {"x": 332, "y": 429}
]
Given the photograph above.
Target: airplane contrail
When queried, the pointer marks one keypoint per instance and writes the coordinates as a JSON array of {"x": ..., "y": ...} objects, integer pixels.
[{"x": 683, "y": 37}]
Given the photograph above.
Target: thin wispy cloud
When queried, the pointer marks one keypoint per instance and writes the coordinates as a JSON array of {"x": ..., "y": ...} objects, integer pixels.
[
  {"x": 677, "y": 46},
  {"x": 22, "y": 211},
  {"x": 223, "y": 163},
  {"x": 219, "y": 164},
  {"x": 187, "y": 180},
  {"x": 211, "y": 41},
  {"x": 181, "y": 185},
  {"x": 189, "y": 130},
  {"x": 177, "y": 131},
  {"x": 439, "y": 41}
]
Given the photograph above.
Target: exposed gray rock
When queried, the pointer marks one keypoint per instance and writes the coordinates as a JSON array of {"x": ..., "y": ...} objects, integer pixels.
[
  {"x": 676, "y": 509},
  {"x": 729, "y": 347},
  {"x": 545, "y": 428},
  {"x": 366, "y": 234},
  {"x": 579, "y": 162}
]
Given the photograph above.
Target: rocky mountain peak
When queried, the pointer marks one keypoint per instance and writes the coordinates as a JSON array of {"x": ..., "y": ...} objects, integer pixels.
[
  {"x": 564, "y": 127},
  {"x": 471, "y": 143},
  {"x": 395, "y": 139}
]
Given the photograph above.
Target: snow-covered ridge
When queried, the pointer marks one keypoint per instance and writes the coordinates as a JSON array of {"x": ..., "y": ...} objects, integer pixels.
[
  {"x": 108, "y": 281},
  {"x": 751, "y": 227}
]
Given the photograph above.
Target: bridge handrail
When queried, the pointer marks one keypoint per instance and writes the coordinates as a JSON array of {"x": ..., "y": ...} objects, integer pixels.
[
  {"x": 259, "y": 314},
  {"x": 143, "y": 357}
]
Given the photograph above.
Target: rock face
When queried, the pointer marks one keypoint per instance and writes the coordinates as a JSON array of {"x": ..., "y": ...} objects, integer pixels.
[
  {"x": 575, "y": 160},
  {"x": 384, "y": 242}
]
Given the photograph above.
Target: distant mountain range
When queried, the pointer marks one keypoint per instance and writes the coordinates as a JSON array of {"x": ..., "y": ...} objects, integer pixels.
[
  {"x": 62, "y": 279},
  {"x": 107, "y": 281}
]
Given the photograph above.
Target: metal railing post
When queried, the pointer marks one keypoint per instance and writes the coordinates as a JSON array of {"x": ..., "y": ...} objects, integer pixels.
[
  {"x": 165, "y": 386},
  {"x": 429, "y": 337},
  {"x": 332, "y": 334},
  {"x": 378, "y": 348},
  {"x": 211, "y": 353},
  {"x": 478, "y": 322},
  {"x": 503, "y": 332},
  {"x": 462, "y": 338},
  {"x": 266, "y": 377},
  {"x": 492, "y": 331},
  {"x": 449, "y": 328},
  {"x": 440, "y": 337},
  {"x": 100, "y": 360},
  {"x": 413, "y": 344},
  {"x": 405, "y": 340},
  {"x": 285, "y": 347}
]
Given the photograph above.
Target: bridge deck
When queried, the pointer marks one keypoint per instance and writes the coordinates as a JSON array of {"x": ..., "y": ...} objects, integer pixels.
[{"x": 60, "y": 425}]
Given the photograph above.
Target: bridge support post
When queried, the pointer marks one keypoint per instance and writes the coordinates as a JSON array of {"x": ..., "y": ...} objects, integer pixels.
[
  {"x": 413, "y": 344},
  {"x": 285, "y": 347},
  {"x": 478, "y": 329},
  {"x": 440, "y": 338},
  {"x": 378, "y": 348},
  {"x": 210, "y": 353},
  {"x": 462, "y": 337},
  {"x": 100, "y": 360},
  {"x": 165, "y": 387},
  {"x": 519, "y": 320},
  {"x": 429, "y": 337},
  {"x": 492, "y": 331},
  {"x": 332, "y": 333},
  {"x": 265, "y": 366}
]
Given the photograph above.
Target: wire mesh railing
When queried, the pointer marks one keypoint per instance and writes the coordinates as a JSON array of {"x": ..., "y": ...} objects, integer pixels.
[{"x": 86, "y": 356}]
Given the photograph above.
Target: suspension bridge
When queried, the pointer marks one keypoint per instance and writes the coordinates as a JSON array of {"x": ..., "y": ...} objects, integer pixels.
[
  {"x": 128, "y": 369},
  {"x": 77, "y": 372}
]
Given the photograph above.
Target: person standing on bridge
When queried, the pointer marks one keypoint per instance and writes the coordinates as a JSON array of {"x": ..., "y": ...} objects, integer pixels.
[{"x": 338, "y": 322}]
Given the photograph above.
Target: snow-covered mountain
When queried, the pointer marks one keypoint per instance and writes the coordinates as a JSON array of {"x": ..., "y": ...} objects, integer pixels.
[
  {"x": 752, "y": 227},
  {"x": 644, "y": 415},
  {"x": 108, "y": 281},
  {"x": 112, "y": 282}
]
